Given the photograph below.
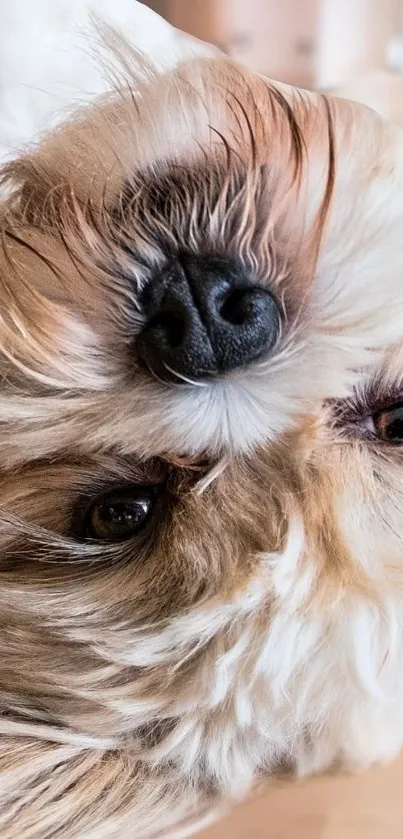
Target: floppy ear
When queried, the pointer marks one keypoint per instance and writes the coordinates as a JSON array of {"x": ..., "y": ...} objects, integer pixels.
[{"x": 63, "y": 788}]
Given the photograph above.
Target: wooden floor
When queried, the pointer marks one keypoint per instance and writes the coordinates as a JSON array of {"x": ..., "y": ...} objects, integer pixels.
[{"x": 360, "y": 807}]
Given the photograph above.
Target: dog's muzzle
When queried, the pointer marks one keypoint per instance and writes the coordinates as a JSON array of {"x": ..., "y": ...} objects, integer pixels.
[{"x": 204, "y": 316}]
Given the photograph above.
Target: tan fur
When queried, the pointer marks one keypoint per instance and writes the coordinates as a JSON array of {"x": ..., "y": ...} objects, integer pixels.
[{"x": 146, "y": 686}]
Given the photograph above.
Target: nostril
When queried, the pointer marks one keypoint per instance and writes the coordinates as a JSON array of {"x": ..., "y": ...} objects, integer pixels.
[
  {"x": 235, "y": 308},
  {"x": 171, "y": 327}
]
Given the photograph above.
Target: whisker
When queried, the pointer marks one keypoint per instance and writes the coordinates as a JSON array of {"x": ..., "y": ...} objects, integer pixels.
[
  {"x": 184, "y": 378},
  {"x": 159, "y": 380},
  {"x": 212, "y": 475}
]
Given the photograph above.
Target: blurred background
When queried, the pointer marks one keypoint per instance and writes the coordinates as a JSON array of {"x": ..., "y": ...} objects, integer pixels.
[{"x": 352, "y": 46}]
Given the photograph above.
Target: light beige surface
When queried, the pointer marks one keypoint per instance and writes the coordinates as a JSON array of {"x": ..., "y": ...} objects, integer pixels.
[
  {"x": 271, "y": 37},
  {"x": 368, "y": 806}
]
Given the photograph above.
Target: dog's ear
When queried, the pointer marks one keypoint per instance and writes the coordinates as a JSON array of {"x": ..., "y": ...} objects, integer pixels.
[
  {"x": 68, "y": 789},
  {"x": 27, "y": 183},
  {"x": 39, "y": 188},
  {"x": 76, "y": 162}
]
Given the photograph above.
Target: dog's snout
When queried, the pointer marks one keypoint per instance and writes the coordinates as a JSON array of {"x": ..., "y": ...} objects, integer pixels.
[{"x": 205, "y": 316}]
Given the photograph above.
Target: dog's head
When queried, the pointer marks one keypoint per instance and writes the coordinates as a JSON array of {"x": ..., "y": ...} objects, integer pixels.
[{"x": 200, "y": 474}]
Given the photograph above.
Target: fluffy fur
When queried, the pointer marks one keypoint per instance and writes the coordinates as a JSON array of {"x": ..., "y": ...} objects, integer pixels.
[{"x": 259, "y": 625}]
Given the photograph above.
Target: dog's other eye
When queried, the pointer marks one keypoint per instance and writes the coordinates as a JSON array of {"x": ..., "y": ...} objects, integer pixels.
[
  {"x": 120, "y": 515},
  {"x": 388, "y": 424}
]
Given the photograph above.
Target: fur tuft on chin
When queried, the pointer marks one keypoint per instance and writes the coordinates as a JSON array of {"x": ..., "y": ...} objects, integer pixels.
[{"x": 256, "y": 621}]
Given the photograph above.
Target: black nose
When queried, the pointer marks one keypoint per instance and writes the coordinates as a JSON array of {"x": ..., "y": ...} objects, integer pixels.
[{"x": 205, "y": 316}]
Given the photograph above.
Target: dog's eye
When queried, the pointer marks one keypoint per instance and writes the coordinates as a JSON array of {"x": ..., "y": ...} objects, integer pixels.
[
  {"x": 120, "y": 515},
  {"x": 388, "y": 424}
]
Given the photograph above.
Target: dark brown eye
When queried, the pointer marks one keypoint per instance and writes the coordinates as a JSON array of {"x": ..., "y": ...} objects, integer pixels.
[
  {"x": 388, "y": 424},
  {"x": 120, "y": 515}
]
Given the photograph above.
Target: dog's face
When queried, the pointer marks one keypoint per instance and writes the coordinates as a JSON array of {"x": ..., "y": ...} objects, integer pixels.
[{"x": 201, "y": 481}]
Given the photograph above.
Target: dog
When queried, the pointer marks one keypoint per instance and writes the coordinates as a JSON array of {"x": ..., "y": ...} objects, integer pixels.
[{"x": 201, "y": 451}]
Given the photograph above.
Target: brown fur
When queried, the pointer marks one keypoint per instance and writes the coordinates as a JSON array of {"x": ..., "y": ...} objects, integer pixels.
[{"x": 137, "y": 690}]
